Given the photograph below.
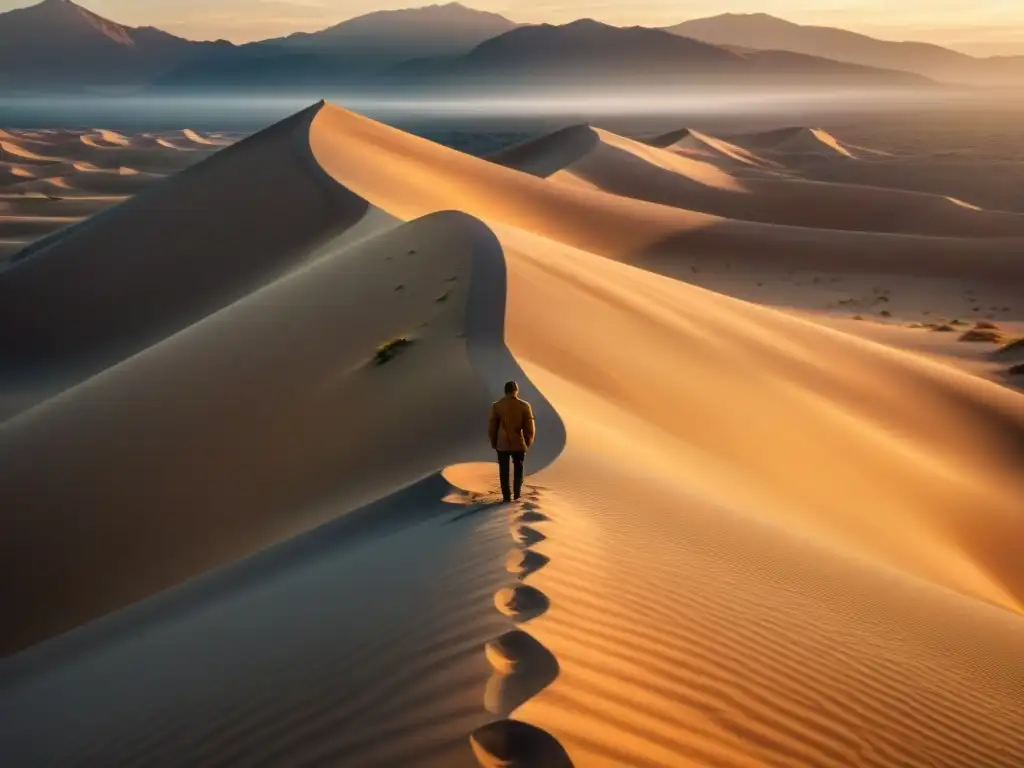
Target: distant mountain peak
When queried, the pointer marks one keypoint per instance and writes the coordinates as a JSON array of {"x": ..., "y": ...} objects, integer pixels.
[
  {"x": 449, "y": 28},
  {"x": 455, "y": 6},
  {"x": 764, "y": 32},
  {"x": 436, "y": 10},
  {"x": 68, "y": 16},
  {"x": 586, "y": 22},
  {"x": 58, "y": 43},
  {"x": 749, "y": 18}
]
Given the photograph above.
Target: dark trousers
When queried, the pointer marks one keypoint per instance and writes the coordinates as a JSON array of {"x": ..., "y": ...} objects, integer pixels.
[{"x": 516, "y": 457}]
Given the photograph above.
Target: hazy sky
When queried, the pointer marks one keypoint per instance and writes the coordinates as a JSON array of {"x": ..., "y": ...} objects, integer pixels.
[{"x": 982, "y": 22}]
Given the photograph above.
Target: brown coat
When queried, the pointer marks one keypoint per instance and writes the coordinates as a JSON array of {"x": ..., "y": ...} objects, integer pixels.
[{"x": 511, "y": 426}]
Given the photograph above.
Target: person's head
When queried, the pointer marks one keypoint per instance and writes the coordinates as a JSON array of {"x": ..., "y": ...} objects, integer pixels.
[{"x": 511, "y": 388}]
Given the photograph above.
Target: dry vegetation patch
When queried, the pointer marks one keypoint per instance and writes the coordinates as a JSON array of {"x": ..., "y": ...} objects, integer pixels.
[
  {"x": 388, "y": 350},
  {"x": 983, "y": 334}
]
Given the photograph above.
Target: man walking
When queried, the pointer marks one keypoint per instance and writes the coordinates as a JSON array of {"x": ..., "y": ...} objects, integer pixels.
[{"x": 511, "y": 430}]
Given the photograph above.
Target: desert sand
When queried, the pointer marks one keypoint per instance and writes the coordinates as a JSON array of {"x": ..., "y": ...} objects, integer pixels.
[
  {"x": 773, "y": 516},
  {"x": 51, "y": 179}
]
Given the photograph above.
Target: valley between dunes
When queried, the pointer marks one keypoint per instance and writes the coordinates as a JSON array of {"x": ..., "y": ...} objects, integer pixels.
[{"x": 756, "y": 530}]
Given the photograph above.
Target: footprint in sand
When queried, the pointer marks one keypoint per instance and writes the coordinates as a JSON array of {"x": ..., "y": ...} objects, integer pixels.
[
  {"x": 514, "y": 744},
  {"x": 525, "y": 536},
  {"x": 531, "y": 516},
  {"x": 523, "y": 562},
  {"x": 522, "y": 602},
  {"x": 522, "y": 666},
  {"x": 522, "y": 669}
]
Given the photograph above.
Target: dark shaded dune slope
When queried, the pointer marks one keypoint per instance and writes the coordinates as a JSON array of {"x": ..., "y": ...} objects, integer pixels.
[{"x": 99, "y": 291}]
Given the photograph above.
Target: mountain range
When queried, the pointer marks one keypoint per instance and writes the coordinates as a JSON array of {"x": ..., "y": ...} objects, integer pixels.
[
  {"x": 587, "y": 52},
  {"x": 764, "y": 32},
  {"x": 58, "y": 44}
]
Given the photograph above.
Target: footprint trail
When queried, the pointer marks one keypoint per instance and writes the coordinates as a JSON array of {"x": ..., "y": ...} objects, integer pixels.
[{"x": 522, "y": 666}]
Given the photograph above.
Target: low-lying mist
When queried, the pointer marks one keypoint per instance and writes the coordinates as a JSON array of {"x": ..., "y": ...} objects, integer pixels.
[{"x": 252, "y": 110}]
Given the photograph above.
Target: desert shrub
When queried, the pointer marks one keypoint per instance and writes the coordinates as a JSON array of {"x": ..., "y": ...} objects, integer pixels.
[
  {"x": 1015, "y": 346},
  {"x": 389, "y": 349},
  {"x": 982, "y": 334},
  {"x": 986, "y": 325}
]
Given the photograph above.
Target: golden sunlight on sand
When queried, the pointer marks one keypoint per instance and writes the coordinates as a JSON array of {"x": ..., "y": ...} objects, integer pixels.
[{"x": 774, "y": 515}]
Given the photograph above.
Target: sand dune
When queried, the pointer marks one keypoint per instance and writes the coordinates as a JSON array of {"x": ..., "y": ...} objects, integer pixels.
[
  {"x": 9, "y": 247},
  {"x": 12, "y": 173},
  {"x": 42, "y": 206},
  {"x": 99, "y": 142},
  {"x": 162, "y": 142},
  {"x": 337, "y": 360},
  {"x": 749, "y": 538},
  {"x": 23, "y": 154},
  {"x": 688, "y": 141},
  {"x": 123, "y": 181},
  {"x": 597, "y": 159},
  {"x": 798, "y": 140},
  {"x": 211, "y": 140},
  {"x": 27, "y": 226},
  {"x": 81, "y": 173},
  {"x": 660, "y": 237},
  {"x": 717, "y": 664},
  {"x": 174, "y": 284},
  {"x": 113, "y": 137}
]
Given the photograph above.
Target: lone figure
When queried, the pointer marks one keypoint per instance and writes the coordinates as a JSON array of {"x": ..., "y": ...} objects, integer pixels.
[{"x": 511, "y": 430}]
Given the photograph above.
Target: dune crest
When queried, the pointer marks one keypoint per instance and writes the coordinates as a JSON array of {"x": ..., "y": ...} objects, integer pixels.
[
  {"x": 209, "y": 141},
  {"x": 24, "y": 155},
  {"x": 689, "y": 142},
  {"x": 799, "y": 140}
]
